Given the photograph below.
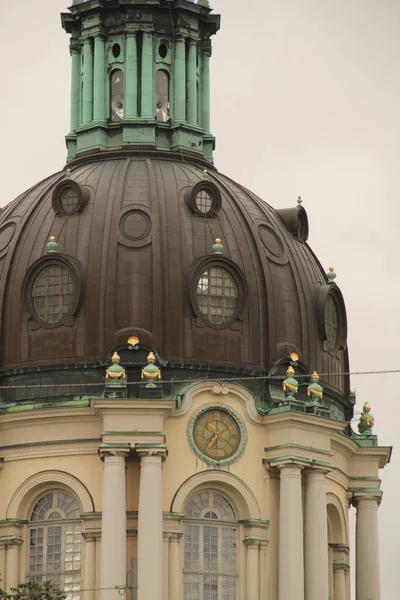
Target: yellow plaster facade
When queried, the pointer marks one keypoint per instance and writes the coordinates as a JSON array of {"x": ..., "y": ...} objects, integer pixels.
[{"x": 58, "y": 449}]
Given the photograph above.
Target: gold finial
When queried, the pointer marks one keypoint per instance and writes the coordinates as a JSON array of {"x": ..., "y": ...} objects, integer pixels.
[
  {"x": 115, "y": 358},
  {"x": 218, "y": 247},
  {"x": 205, "y": 174},
  {"x": 115, "y": 371},
  {"x": 290, "y": 370},
  {"x": 366, "y": 420},
  {"x": 331, "y": 269},
  {"x": 151, "y": 371},
  {"x": 315, "y": 390},
  {"x": 294, "y": 357},
  {"x": 52, "y": 244}
]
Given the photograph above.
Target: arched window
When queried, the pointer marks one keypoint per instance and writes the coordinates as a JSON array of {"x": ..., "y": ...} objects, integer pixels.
[
  {"x": 117, "y": 95},
  {"x": 162, "y": 96},
  {"x": 55, "y": 542},
  {"x": 210, "y": 569}
]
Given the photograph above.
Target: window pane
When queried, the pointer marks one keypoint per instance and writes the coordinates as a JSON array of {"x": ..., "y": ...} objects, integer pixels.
[
  {"x": 162, "y": 96},
  {"x": 217, "y": 295},
  {"x": 210, "y": 548},
  {"x": 55, "y": 547},
  {"x": 53, "y": 293},
  {"x": 117, "y": 96},
  {"x": 331, "y": 323}
]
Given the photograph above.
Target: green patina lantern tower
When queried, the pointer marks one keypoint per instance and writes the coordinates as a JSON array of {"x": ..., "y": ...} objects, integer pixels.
[{"x": 140, "y": 75}]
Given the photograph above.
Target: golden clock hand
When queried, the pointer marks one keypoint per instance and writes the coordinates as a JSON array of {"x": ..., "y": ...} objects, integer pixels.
[
  {"x": 211, "y": 443},
  {"x": 211, "y": 427}
]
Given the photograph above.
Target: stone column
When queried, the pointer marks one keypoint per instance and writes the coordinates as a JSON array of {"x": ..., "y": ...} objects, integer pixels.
[
  {"x": 316, "y": 574},
  {"x": 75, "y": 85},
  {"x": 12, "y": 564},
  {"x": 113, "y": 523},
  {"x": 87, "y": 116},
  {"x": 147, "y": 98},
  {"x": 131, "y": 79},
  {"x": 252, "y": 569},
  {"x": 174, "y": 572},
  {"x": 367, "y": 549},
  {"x": 205, "y": 86},
  {"x": 192, "y": 82},
  {"x": 99, "y": 106},
  {"x": 89, "y": 571},
  {"x": 150, "y": 525},
  {"x": 291, "y": 562},
  {"x": 2, "y": 565},
  {"x": 339, "y": 580},
  {"x": 179, "y": 107}
]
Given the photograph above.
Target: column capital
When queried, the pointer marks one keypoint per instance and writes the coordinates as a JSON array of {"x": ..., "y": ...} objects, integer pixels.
[
  {"x": 10, "y": 542},
  {"x": 255, "y": 542},
  {"x": 363, "y": 498},
  {"x": 340, "y": 566},
  {"x": 116, "y": 450},
  {"x": 285, "y": 465},
  {"x": 144, "y": 450},
  {"x": 317, "y": 472},
  {"x": 173, "y": 536},
  {"x": 90, "y": 536}
]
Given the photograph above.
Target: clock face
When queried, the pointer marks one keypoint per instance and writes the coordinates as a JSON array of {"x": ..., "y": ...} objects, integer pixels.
[{"x": 217, "y": 434}]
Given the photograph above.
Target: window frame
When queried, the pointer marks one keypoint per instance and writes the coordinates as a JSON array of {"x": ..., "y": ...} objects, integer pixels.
[
  {"x": 64, "y": 523},
  {"x": 116, "y": 69},
  {"x": 221, "y": 262},
  {"x": 214, "y": 193},
  {"x": 324, "y": 293},
  {"x": 82, "y": 192},
  {"x": 221, "y": 526},
  {"x": 29, "y": 281}
]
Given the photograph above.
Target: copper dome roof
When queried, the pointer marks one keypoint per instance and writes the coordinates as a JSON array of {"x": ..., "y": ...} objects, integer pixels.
[{"x": 136, "y": 244}]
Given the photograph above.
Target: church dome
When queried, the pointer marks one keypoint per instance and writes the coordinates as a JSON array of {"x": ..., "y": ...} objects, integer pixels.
[{"x": 166, "y": 249}]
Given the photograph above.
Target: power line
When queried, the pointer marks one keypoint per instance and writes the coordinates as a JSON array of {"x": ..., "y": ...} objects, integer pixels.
[{"x": 202, "y": 379}]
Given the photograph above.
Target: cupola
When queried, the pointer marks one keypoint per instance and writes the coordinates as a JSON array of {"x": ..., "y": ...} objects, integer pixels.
[{"x": 140, "y": 76}]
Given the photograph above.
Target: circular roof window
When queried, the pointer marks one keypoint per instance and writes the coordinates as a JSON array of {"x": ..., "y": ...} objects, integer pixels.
[
  {"x": 69, "y": 197},
  {"x": 204, "y": 199},
  {"x": 69, "y": 200}
]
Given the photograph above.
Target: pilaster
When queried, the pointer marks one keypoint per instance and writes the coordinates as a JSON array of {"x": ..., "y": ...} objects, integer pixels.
[{"x": 87, "y": 115}]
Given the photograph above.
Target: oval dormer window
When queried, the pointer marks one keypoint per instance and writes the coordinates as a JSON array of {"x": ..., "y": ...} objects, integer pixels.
[{"x": 53, "y": 293}]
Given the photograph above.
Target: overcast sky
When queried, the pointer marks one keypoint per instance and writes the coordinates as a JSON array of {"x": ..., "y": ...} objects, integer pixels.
[{"x": 305, "y": 99}]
